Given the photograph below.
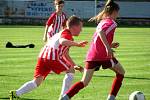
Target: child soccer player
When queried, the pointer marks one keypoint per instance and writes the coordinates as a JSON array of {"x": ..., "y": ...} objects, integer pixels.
[
  {"x": 54, "y": 56},
  {"x": 56, "y": 21},
  {"x": 100, "y": 52}
]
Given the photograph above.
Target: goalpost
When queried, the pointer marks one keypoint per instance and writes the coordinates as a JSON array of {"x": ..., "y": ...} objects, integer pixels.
[{"x": 96, "y": 7}]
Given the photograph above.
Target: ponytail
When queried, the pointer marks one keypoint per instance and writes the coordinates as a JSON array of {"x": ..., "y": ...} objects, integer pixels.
[
  {"x": 109, "y": 2},
  {"x": 108, "y": 9},
  {"x": 98, "y": 17}
]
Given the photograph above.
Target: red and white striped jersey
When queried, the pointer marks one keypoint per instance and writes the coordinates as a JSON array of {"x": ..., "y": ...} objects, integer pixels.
[
  {"x": 55, "y": 23},
  {"x": 53, "y": 50}
]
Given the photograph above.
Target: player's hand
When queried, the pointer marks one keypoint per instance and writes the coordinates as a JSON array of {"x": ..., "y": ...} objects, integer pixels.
[
  {"x": 110, "y": 53},
  {"x": 115, "y": 45},
  {"x": 82, "y": 44},
  {"x": 79, "y": 68}
]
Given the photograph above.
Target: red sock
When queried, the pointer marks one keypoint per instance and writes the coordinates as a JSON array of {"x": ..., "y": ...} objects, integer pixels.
[
  {"x": 116, "y": 84},
  {"x": 75, "y": 89}
]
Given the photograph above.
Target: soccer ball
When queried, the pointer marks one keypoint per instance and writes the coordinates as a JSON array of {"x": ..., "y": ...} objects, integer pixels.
[{"x": 137, "y": 95}]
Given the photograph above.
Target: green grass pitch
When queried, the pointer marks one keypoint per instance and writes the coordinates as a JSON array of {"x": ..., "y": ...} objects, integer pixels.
[{"x": 17, "y": 65}]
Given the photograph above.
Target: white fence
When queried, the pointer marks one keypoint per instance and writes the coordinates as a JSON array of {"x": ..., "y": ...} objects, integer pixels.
[{"x": 84, "y": 9}]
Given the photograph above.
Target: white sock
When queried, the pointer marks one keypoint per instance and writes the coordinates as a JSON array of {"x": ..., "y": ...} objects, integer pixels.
[
  {"x": 111, "y": 97},
  {"x": 67, "y": 82},
  {"x": 27, "y": 87}
]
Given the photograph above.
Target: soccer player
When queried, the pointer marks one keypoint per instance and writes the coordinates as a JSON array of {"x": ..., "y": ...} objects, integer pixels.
[
  {"x": 100, "y": 52},
  {"x": 56, "y": 21},
  {"x": 54, "y": 56}
]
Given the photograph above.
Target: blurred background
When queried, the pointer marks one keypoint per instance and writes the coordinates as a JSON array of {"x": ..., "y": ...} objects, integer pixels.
[
  {"x": 23, "y": 21},
  {"x": 36, "y": 12}
]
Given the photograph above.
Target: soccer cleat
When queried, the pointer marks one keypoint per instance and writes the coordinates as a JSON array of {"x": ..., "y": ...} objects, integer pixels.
[
  {"x": 65, "y": 97},
  {"x": 111, "y": 97},
  {"x": 12, "y": 95}
]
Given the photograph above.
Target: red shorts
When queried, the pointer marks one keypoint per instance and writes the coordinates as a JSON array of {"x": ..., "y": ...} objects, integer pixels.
[
  {"x": 97, "y": 64},
  {"x": 44, "y": 67}
]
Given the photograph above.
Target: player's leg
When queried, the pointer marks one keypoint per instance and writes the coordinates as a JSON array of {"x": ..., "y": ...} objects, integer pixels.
[
  {"x": 67, "y": 81},
  {"x": 119, "y": 70},
  {"x": 41, "y": 71},
  {"x": 27, "y": 87},
  {"x": 87, "y": 76}
]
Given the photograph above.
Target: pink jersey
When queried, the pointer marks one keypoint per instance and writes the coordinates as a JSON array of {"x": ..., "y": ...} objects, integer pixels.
[
  {"x": 97, "y": 50},
  {"x": 55, "y": 23},
  {"x": 53, "y": 50}
]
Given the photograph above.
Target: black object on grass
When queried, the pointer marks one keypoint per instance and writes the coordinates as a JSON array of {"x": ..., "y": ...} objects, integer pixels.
[{"x": 10, "y": 45}]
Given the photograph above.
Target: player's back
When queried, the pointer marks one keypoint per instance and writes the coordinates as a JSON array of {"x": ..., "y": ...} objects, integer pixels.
[{"x": 97, "y": 50}]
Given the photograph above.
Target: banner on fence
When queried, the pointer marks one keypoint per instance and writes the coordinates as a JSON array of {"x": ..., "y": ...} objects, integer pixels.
[{"x": 83, "y": 9}]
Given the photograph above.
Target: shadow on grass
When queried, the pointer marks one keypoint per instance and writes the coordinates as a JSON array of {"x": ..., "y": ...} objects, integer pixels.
[
  {"x": 4, "y": 98},
  {"x": 140, "y": 78},
  {"x": 7, "y": 98},
  {"x": 127, "y": 77},
  {"x": 31, "y": 99},
  {"x": 8, "y": 76},
  {"x": 21, "y": 26}
]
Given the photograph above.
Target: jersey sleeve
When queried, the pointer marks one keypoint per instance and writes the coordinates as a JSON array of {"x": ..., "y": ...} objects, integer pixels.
[
  {"x": 67, "y": 36},
  {"x": 50, "y": 19},
  {"x": 109, "y": 27},
  {"x": 106, "y": 27}
]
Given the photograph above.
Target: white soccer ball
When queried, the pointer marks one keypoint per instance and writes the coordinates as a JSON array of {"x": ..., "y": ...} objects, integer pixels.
[{"x": 137, "y": 95}]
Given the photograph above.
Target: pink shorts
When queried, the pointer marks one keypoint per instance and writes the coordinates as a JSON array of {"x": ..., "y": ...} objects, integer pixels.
[
  {"x": 97, "y": 64},
  {"x": 44, "y": 67}
]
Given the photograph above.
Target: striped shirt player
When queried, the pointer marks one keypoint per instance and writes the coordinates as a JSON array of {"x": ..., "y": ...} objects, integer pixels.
[
  {"x": 55, "y": 57},
  {"x": 51, "y": 56},
  {"x": 56, "y": 23}
]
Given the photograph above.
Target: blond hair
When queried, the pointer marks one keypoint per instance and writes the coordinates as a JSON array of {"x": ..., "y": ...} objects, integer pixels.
[
  {"x": 73, "y": 21},
  {"x": 108, "y": 9}
]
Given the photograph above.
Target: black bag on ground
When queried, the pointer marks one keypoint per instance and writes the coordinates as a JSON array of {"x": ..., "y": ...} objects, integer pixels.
[{"x": 10, "y": 45}]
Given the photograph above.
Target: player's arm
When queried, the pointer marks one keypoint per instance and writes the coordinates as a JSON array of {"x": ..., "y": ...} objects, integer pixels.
[
  {"x": 68, "y": 58},
  {"x": 106, "y": 44},
  {"x": 48, "y": 23},
  {"x": 64, "y": 24},
  {"x": 71, "y": 62},
  {"x": 45, "y": 33},
  {"x": 69, "y": 43}
]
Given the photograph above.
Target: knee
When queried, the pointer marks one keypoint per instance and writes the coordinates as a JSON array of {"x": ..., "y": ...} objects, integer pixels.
[
  {"x": 85, "y": 83},
  {"x": 38, "y": 81},
  {"x": 38, "y": 84},
  {"x": 123, "y": 72},
  {"x": 71, "y": 70},
  {"x": 69, "y": 76}
]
